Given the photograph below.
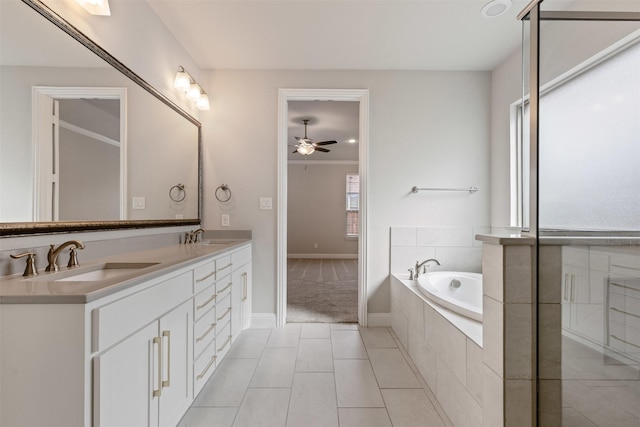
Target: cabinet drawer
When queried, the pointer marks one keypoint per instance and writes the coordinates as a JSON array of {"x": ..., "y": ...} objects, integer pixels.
[
  {"x": 223, "y": 288},
  {"x": 223, "y": 310},
  {"x": 223, "y": 266},
  {"x": 223, "y": 341},
  {"x": 204, "y": 275},
  {"x": 204, "y": 331},
  {"x": 204, "y": 301},
  {"x": 204, "y": 367},
  {"x": 241, "y": 257},
  {"x": 121, "y": 318}
]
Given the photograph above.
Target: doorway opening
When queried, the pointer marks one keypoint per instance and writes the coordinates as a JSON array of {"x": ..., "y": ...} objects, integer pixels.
[
  {"x": 288, "y": 98},
  {"x": 322, "y": 212},
  {"x": 79, "y": 142}
]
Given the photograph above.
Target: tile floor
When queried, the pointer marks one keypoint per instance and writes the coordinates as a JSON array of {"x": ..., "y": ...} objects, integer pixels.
[{"x": 316, "y": 375}]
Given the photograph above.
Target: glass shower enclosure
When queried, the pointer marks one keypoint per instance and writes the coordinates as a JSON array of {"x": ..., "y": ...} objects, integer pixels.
[{"x": 580, "y": 191}]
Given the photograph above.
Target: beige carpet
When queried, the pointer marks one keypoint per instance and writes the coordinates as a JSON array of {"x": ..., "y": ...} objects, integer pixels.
[{"x": 322, "y": 290}]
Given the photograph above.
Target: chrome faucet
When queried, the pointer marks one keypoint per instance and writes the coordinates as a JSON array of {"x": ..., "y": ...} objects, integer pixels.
[
  {"x": 416, "y": 273},
  {"x": 52, "y": 255}
]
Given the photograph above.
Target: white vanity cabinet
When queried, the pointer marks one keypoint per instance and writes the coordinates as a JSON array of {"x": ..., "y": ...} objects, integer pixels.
[
  {"x": 145, "y": 378},
  {"x": 135, "y": 357}
]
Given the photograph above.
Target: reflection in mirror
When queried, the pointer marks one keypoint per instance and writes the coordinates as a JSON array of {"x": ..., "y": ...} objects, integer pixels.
[{"x": 151, "y": 144}]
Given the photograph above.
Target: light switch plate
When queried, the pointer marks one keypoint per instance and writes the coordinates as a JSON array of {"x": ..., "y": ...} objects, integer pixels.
[
  {"x": 224, "y": 220},
  {"x": 266, "y": 203},
  {"x": 137, "y": 203}
]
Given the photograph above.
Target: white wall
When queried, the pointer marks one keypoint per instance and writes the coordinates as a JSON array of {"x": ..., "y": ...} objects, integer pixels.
[
  {"x": 426, "y": 129},
  {"x": 317, "y": 209}
]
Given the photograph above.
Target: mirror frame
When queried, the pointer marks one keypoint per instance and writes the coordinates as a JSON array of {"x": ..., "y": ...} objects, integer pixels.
[{"x": 29, "y": 228}]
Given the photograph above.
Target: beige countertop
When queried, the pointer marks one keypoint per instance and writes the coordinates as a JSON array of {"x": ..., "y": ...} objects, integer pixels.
[{"x": 46, "y": 287}]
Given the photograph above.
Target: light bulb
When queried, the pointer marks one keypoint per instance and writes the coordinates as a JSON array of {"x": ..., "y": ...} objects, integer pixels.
[
  {"x": 182, "y": 81},
  {"x": 194, "y": 92},
  {"x": 203, "y": 102}
]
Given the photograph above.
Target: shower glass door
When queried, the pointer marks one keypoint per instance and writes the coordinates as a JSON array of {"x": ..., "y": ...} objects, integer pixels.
[{"x": 587, "y": 220}]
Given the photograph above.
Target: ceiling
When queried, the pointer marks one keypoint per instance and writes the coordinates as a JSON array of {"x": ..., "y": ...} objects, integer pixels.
[{"x": 345, "y": 35}]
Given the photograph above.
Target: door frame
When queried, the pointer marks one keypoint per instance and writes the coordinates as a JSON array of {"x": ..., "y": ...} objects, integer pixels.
[
  {"x": 354, "y": 95},
  {"x": 42, "y": 99}
]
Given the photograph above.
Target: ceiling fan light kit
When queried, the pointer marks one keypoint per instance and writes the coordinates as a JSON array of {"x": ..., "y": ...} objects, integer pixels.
[{"x": 306, "y": 145}]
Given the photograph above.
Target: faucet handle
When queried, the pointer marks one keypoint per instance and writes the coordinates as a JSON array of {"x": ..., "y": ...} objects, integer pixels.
[
  {"x": 73, "y": 257},
  {"x": 410, "y": 273},
  {"x": 31, "y": 269}
]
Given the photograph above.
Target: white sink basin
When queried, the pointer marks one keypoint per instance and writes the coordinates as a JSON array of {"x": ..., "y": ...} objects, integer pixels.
[
  {"x": 100, "y": 271},
  {"x": 216, "y": 242}
]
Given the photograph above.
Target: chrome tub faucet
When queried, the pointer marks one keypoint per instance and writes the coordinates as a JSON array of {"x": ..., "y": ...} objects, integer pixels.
[{"x": 416, "y": 272}]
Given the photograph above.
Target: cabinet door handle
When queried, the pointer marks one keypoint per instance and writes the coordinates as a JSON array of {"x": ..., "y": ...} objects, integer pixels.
[
  {"x": 573, "y": 288},
  {"x": 225, "y": 288},
  {"x": 207, "y": 302},
  {"x": 202, "y": 279},
  {"x": 565, "y": 297},
  {"x": 158, "y": 392},
  {"x": 225, "y": 343},
  {"x": 167, "y": 334},
  {"x": 225, "y": 314},
  {"x": 225, "y": 267},
  {"x": 206, "y": 368},
  {"x": 244, "y": 286},
  {"x": 207, "y": 332}
]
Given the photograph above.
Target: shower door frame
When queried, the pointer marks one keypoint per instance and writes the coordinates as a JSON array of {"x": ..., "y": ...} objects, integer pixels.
[{"x": 534, "y": 15}]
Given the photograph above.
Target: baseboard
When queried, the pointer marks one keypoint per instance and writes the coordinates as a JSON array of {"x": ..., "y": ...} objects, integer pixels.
[
  {"x": 263, "y": 320},
  {"x": 322, "y": 256},
  {"x": 375, "y": 320}
]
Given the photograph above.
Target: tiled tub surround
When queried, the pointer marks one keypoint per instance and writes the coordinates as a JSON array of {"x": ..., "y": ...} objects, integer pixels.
[
  {"x": 478, "y": 381},
  {"x": 455, "y": 248}
]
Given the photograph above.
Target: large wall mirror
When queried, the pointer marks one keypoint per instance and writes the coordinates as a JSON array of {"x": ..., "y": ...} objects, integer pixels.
[{"x": 85, "y": 143}]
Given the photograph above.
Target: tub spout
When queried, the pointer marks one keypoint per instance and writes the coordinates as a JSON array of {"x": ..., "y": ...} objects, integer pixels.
[{"x": 416, "y": 273}]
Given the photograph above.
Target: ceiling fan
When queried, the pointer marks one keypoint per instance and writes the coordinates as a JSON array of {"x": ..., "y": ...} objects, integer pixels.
[{"x": 306, "y": 145}]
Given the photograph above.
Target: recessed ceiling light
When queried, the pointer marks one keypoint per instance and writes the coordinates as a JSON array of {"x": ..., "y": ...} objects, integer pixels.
[{"x": 495, "y": 8}]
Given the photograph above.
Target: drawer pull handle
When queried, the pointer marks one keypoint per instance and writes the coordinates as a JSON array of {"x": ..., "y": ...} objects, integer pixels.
[
  {"x": 202, "y": 279},
  {"x": 207, "y": 332},
  {"x": 225, "y": 267},
  {"x": 565, "y": 297},
  {"x": 167, "y": 334},
  {"x": 207, "y": 302},
  {"x": 158, "y": 392},
  {"x": 225, "y": 343},
  {"x": 244, "y": 287},
  {"x": 225, "y": 288},
  {"x": 225, "y": 314},
  {"x": 206, "y": 368}
]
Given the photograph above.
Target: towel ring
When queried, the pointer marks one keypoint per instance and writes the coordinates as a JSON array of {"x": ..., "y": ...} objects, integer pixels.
[
  {"x": 180, "y": 191},
  {"x": 226, "y": 189}
]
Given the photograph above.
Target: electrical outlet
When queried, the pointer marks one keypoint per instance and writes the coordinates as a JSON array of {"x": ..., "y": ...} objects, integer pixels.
[
  {"x": 315, "y": 246},
  {"x": 266, "y": 203},
  {"x": 138, "y": 202},
  {"x": 224, "y": 220}
]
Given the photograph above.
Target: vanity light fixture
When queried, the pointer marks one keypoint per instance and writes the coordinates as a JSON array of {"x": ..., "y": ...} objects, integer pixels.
[
  {"x": 186, "y": 83},
  {"x": 495, "y": 8},
  {"x": 96, "y": 7}
]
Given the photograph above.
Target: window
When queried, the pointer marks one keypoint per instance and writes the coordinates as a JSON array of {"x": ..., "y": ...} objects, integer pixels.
[
  {"x": 588, "y": 154},
  {"x": 352, "y": 204}
]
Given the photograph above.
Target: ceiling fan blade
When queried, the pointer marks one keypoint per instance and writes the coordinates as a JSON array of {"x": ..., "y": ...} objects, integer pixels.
[
  {"x": 325, "y": 142},
  {"x": 294, "y": 151},
  {"x": 324, "y": 150}
]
